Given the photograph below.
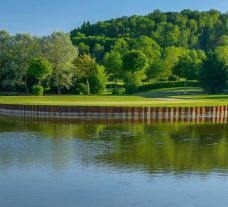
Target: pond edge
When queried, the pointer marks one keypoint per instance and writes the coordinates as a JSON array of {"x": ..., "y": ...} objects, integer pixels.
[{"x": 219, "y": 113}]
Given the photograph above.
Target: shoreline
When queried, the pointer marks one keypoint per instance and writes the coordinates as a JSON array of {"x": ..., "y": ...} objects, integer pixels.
[{"x": 117, "y": 112}]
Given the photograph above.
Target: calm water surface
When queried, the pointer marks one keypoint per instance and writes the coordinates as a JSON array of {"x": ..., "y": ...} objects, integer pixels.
[{"x": 80, "y": 164}]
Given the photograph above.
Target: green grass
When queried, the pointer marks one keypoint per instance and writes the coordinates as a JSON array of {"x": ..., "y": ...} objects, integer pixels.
[{"x": 160, "y": 97}]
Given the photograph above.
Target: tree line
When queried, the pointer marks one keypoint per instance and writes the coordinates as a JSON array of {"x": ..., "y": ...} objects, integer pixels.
[
  {"x": 160, "y": 46},
  {"x": 29, "y": 63}
]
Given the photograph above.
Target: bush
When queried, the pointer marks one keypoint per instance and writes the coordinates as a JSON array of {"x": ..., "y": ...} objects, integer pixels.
[
  {"x": 83, "y": 88},
  {"x": 172, "y": 78},
  {"x": 132, "y": 81},
  {"x": 38, "y": 90},
  {"x": 115, "y": 91},
  {"x": 131, "y": 88}
]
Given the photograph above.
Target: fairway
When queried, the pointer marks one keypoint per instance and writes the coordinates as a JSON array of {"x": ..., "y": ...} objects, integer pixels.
[{"x": 156, "y": 98}]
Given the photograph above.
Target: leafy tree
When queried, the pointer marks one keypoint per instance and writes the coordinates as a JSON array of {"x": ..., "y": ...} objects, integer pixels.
[
  {"x": 60, "y": 52},
  {"x": 83, "y": 48},
  {"x": 5, "y": 59},
  {"x": 39, "y": 68},
  {"x": 148, "y": 46},
  {"x": 166, "y": 34},
  {"x": 134, "y": 62},
  {"x": 86, "y": 68},
  {"x": 156, "y": 70},
  {"x": 98, "y": 81},
  {"x": 171, "y": 57},
  {"x": 213, "y": 74},
  {"x": 222, "y": 53},
  {"x": 223, "y": 41},
  {"x": 132, "y": 80},
  {"x": 98, "y": 52},
  {"x": 120, "y": 45},
  {"x": 22, "y": 47},
  {"x": 186, "y": 68},
  {"x": 114, "y": 65}
]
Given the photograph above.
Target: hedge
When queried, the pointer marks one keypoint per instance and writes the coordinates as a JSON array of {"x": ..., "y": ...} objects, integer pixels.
[{"x": 166, "y": 84}]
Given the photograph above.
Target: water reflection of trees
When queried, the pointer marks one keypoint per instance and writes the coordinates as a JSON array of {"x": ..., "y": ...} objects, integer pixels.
[{"x": 178, "y": 147}]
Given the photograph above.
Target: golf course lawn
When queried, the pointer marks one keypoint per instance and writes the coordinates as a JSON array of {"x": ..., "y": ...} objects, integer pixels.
[{"x": 156, "y": 98}]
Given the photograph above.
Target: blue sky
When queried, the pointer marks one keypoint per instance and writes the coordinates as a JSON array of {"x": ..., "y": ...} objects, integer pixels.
[{"x": 42, "y": 17}]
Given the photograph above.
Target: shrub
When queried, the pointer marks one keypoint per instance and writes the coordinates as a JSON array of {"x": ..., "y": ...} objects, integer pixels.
[
  {"x": 172, "y": 78},
  {"x": 115, "y": 91},
  {"x": 131, "y": 88},
  {"x": 38, "y": 90},
  {"x": 83, "y": 89}
]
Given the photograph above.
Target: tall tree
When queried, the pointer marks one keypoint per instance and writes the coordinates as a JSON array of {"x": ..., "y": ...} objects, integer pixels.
[
  {"x": 114, "y": 65},
  {"x": 134, "y": 62},
  {"x": 23, "y": 48},
  {"x": 5, "y": 59},
  {"x": 171, "y": 57},
  {"x": 155, "y": 70},
  {"x": 186, "y": 68},
  {"x": 60, "y": 52},
  {"x": 86, "y": 68}
]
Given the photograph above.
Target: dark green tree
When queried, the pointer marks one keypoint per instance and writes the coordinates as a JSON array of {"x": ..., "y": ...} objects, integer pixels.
[
  {"x": 134, "y": 61},
  {"x": 98, "y": 52},
  {"x": 213, "y": 74},
  {"x": 83, "y": 48}
]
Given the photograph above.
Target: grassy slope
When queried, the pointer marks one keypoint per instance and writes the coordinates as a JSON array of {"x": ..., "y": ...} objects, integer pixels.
[{"x": 161, "y": 97}]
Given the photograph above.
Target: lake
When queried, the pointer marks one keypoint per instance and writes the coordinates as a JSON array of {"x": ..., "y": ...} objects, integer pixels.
[{"x": 45, "y": 163}]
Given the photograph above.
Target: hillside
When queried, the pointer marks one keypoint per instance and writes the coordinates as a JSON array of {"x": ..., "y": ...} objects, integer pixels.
[{"x": 187, "y": 29}]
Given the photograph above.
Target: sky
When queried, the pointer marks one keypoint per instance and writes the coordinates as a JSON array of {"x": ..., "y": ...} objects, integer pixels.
[{"x": 41, "y": 17}]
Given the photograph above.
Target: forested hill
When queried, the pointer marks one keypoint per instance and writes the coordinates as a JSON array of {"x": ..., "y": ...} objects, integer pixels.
[
  {"x": 160, "y": 46},
  {"x": 187, "y": 29}
]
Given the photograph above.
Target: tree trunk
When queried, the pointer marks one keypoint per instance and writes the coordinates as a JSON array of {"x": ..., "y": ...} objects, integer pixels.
[
  {"x": 59, "y": 90},
  {"x": 115, "y": 83},
  {"x": 88, "y": 86},
  {"x": 26, "y": 85},
  {"x": 185, "y": 92}
]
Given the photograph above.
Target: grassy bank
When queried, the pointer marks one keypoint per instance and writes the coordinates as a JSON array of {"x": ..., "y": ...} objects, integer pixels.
[{"x": 162, "y": 97}]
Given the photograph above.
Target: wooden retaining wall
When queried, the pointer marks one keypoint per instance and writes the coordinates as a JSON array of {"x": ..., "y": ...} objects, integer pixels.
[{"x": 219, "y": 113}]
